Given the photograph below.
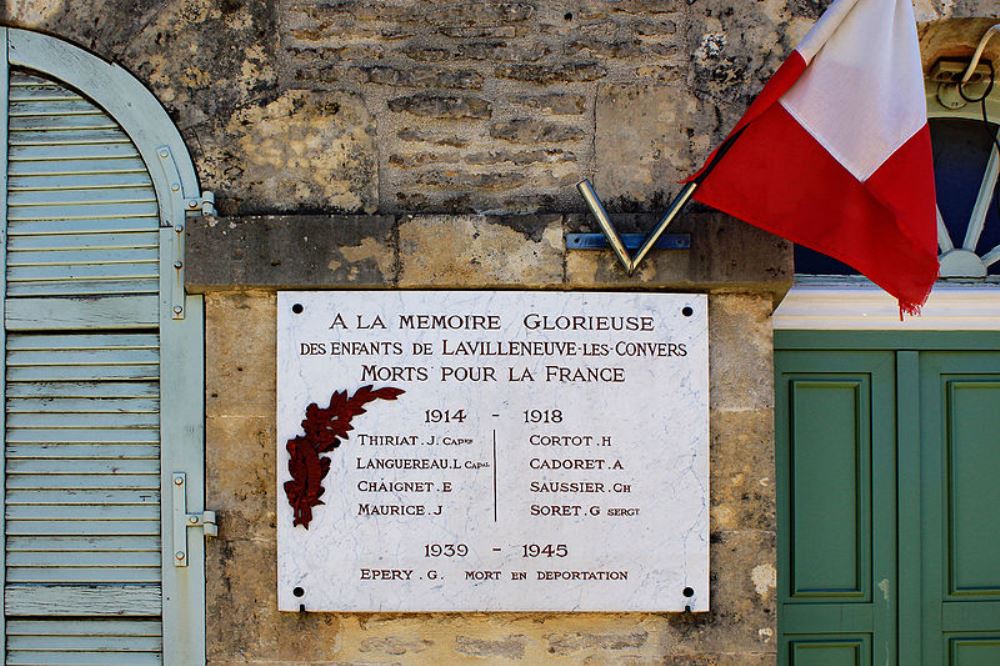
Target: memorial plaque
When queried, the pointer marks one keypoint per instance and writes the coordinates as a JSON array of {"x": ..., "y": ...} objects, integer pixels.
[{"x": 492, "y": 451}]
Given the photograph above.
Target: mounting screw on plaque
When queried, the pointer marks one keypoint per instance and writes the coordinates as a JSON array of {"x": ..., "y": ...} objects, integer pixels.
[
  {"x": 688, "y": 592},
  {"x": 299, "y": 592}
]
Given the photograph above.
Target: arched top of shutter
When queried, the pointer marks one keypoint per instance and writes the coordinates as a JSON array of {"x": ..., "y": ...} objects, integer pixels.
[{"x": 128, "y": 102}]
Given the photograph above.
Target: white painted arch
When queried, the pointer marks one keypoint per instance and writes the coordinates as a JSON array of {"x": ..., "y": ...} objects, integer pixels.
[{"x": 129, "y": 102}]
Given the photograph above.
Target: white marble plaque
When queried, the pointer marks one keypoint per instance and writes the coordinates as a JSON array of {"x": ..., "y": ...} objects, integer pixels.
[{"x": 516, "y": 451}]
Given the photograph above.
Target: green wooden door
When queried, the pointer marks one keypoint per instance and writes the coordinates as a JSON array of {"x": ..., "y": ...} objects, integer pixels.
[
  {"x": 888, "y": 456},
  {"x": 960, "y": 507}
]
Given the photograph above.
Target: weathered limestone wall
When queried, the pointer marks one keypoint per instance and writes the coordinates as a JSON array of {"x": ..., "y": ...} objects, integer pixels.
[
  {"x": 472, "y": 251},
  {"x": 245, "y": 627},
  {"x": 239, "y": 263},
  {"x": 499, "y": 106}
]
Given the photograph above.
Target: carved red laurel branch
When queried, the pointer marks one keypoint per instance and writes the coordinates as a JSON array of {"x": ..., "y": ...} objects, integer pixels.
[{"x": 324, "y": 428}]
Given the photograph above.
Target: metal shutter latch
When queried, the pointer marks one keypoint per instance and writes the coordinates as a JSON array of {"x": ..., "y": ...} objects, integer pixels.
[{"x": 183, "y": 520}]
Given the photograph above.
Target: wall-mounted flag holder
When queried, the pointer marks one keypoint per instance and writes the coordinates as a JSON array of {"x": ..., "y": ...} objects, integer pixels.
[{"x": 623, "y": 243}]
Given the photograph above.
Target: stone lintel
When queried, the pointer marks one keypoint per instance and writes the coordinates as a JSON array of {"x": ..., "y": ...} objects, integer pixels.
[
  {"x": 290, "y": 251},
  {"x": 474, "y": 251}
]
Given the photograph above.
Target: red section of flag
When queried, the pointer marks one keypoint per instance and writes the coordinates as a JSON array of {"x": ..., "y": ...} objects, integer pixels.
[
  {"x": 778, "y": 85},
  {"x": 778, "y": 177},
  {"x": 835, "y": 153}
]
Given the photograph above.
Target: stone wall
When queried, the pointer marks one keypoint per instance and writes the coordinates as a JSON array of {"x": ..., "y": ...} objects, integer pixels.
[
  {"x": 239, "y": 275},
  {"x": 496, "y": 106},
  {"x": 244, "y": 625}
]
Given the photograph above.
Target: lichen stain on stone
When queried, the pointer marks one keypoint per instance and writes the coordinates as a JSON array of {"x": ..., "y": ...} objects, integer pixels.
[
  {"x": 30, "y": 13},
  {"x": 475, "y": 251},
  {"x": 370, "y": 249},
  {"x": 305, "y": 149},
  {"x": 199, "y": 11},
  {"x": 161, "y": 77},
  {"x": 255, "y": 70},
  {"x": 764, "y": 578},
  {"x": 193, "y": 77}
]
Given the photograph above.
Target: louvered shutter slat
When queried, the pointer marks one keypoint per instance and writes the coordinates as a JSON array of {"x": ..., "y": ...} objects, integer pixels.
[
  {"x": 91, "y": 226},
  {"x": 94, "y": 436},
  {"x": 78, "y": 544},
  {"x": 68, "y": 168},
  {"x": 63, "y": 482}
]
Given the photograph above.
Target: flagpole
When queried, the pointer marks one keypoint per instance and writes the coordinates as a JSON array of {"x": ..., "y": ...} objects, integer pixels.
[
  {"x": 675, "y": 208},
  {"x": 597, "y": 208}
]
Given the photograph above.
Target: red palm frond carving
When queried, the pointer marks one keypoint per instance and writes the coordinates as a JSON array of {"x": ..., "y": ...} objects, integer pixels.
[{"x": 324, "y": 429}]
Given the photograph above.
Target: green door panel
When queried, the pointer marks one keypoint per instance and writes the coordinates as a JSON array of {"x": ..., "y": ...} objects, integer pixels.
[
  {"x": 836, "y": 428},
  {"x": 888, "y": 460},
  {"x": 830, "y": 460},
  {"x": 974, "y": 651},
  {"x": 818, "y": 652},
  {"x": 960, "y": 521},
  {"x": 973, "y": 493}
]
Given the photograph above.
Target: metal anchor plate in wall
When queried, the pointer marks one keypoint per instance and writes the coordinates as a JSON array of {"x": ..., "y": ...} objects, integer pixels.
[{"x": 182, "y": 520}]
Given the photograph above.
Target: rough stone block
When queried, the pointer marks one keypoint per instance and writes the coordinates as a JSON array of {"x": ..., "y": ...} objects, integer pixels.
[
  {"x": 240, "y": 469},
  {"x": 743, "y": 616},
  {"x": 239, "y": 345},
  {"x": 293, "y": 251},
  {"x": 242, "y": 604},
  {"x": 549, "y": 74},
  {"x": 508, "y": 647},
  {"x": 643, "y": 148},
  {"x": 446, "y": 107},
  {"x": 243, "y": 623},
  {"x": 741, "y": 352},
  {"x": 742, "y": 470},
  {"x": 304, "y": 150},
  {"x": 558, "y": 104},
  {"x": 422, "y": 77},
  {"x": 532, "y": 130},
  {"x": 480, "y": 252}
]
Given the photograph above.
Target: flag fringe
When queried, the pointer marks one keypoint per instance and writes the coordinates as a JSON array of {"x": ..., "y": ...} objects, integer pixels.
[{"x": 911, "y": 309}]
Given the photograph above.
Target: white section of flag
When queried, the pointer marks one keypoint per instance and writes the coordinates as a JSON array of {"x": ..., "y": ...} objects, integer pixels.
[{"x": 862, "y": 95}]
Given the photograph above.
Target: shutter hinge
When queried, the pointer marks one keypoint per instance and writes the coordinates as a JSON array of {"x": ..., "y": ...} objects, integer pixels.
[
  {"x": 177, "y": 285},
  {"x": 206, "y": 203},
  {"x": 182, "y": 520}
]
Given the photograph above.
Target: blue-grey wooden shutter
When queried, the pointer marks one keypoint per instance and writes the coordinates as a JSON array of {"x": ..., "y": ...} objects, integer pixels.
[{"x": 89, "y": 564}]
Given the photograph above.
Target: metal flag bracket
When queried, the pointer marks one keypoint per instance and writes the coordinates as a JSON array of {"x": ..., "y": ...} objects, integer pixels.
[{"x": 623, "y": 243}]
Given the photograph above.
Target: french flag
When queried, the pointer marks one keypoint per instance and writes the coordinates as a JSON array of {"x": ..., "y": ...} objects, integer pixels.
[{"x": 835, "y": 152}]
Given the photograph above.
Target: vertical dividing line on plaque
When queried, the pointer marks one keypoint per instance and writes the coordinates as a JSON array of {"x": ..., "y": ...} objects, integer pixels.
[{"x": 494, "y": 475}]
